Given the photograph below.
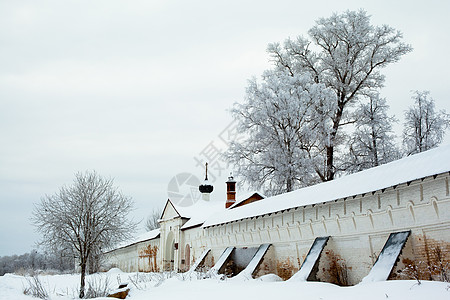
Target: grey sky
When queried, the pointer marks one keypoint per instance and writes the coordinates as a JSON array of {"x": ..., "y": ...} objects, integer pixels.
[{"x": 136, "y": 89}]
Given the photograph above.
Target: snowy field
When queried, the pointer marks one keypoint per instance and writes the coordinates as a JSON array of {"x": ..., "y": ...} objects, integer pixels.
[{"x": 154, "y": 286}]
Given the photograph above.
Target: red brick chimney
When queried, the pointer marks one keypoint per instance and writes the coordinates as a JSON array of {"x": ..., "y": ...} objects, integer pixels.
[{"x": 231, "y": 192}]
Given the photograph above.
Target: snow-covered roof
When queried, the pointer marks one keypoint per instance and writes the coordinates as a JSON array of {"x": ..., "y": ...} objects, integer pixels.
[
  {"x": 432, "y": 162},
  {"x": 199, "y": 212},
  {"x": 147, "y": 236}
]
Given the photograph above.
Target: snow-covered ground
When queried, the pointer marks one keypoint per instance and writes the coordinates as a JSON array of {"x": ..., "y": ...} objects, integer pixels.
[{"x": 150, "y": 286}]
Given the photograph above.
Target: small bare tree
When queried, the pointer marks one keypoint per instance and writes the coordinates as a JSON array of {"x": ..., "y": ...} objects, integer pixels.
[
  {"x": 152, "y": 220},
  {"x": 424, "y": 126},
  {"x": 84, "y": 218}
]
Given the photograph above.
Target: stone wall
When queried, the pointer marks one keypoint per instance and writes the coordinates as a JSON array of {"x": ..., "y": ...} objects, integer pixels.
[
  {"x": 137, "y": 257},
  {"x": 358, "y": 228}
]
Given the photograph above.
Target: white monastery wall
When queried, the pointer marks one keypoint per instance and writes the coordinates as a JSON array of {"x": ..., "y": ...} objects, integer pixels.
[
  {"x": 124, "y": 258},
  {"x": 143, "y": 257},
  {"x": 358, "y": 228}
]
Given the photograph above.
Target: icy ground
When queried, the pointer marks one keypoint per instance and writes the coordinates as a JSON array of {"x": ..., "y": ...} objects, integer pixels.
[{"x": 153, "y": 286}]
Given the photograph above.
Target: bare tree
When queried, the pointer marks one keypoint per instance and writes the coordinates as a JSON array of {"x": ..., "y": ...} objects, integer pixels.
[
  {"x": 85, "y": 217},
  {"x": 424, "y": 127},
  {"x": 152, "y": 220}
]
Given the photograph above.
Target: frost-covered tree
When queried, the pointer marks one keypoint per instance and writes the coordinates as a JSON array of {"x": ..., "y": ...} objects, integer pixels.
[
  {"x": 345, "y": 53},
  {"x": 373, "y": 142},
  {"x": 84, "y": 218},
  {"x": 424, "y": 127},
  {"x": 280, "y": 121}
]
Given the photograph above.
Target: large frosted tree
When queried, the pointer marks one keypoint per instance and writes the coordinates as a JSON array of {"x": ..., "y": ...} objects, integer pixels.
[
  {"x": 343, "y": 53},
  {"x": 424, "y": 127},
  {"x": 280, "y": 121},
  {"x": 346, "y": 53}
]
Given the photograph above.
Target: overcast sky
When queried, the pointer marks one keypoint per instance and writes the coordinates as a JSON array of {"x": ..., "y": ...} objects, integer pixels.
[{"x": 136, "y": 90}]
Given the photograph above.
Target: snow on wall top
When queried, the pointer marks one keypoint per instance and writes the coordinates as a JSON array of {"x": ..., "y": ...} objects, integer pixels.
[
  {"x": 198, "y": 212},
  {"x": 149, "y": 235},
  {"x": 428, "y": 163}
]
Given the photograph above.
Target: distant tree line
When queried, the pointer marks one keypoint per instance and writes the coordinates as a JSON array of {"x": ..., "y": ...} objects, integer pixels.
[{"x": 34, "y": 261}]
